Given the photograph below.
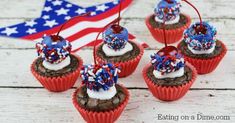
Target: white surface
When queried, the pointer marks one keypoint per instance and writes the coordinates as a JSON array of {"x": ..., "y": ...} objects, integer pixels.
[
  {"x": 58, "y": 66},
  {"x": 24, "y": 100},
  {"x": 102, "y": 94},
  {"x": 111, "y": 52}
]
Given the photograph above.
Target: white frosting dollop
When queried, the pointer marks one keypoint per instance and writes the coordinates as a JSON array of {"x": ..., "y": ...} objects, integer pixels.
[
  {"x": 111, "y": 52},
  {"x": 176, "y": 20},
  {"x": 202, "y": 51},
  {"x": 175, "y": 74},
  {"x": 102, "y": 94},
  {"x": 58, "y": 66}
]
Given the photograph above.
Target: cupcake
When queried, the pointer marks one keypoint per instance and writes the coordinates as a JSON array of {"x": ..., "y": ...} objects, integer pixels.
[
  {"x": 176, "y": 22},
  {"x": 201, "y": 48},
  {"x": 100, "y": 99},
  {"x": 56, "y": 68},
  {"x": 168, "y": 76},
  {"x": 119, "y": 50}
]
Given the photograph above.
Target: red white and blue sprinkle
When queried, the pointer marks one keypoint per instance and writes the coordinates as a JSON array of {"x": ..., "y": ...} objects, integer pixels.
[
  {"x": 100, "y": 76},
  {"x": 53, "y": 51},
  {"x": 167, "y": 63},
  {"x": 115, "y": 41},
  {"x": 198, "y": 40},
  {"x": 169, "y": 10}
]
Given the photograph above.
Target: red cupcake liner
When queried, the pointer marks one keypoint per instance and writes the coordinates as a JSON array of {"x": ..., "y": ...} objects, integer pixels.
[
  {"x": 168, "y": 93},
  {"x": 101, "y": 117},
  {"x": 127, "y": 67},
  {"x": 61, "y": 83},
  {"x": 205, "y": 66},
  {"x": 172, "y": 35}
]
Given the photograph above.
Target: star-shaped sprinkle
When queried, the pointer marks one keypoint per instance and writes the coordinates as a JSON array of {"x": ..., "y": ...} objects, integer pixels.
[
  {"x": 30, "y": 23},
  {"x": 50, "y": 23},
  {"x": 31, "y": 31},
  {"x": 62, "y": 11},
  {"x": 8, "y": 31},
  {"x": 101, "y": 7}
]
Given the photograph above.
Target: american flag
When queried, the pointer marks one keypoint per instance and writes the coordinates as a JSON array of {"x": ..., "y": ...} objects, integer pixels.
[{"x": 80, "y": 32}]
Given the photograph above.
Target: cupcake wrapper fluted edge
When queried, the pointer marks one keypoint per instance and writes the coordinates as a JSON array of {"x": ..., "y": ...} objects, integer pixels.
[
  {"x": 127, "y": 67},
  {"x": 61, "y": 83},
  {"x": 101, "y": 117},
  {"x": 170, "y": 93},
  {"x": 172, "y": 35}
]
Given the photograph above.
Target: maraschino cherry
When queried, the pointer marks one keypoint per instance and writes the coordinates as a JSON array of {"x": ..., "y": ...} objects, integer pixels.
[{"x": 116, "y": 27}]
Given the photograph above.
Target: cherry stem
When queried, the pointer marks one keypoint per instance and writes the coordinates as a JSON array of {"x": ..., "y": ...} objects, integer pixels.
[
  {"x": 82, "y": 15},
  {"x": 164, "y": 28},
  {"x": 94, "y": 53},
  {"x": 195, "y": 10},
  {"x": 119, "y": 11}
]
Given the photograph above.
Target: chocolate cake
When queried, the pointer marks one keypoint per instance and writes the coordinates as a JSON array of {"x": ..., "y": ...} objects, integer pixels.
[
  {"x": 182, "y": 22},
  {"x": 125, "y": 57},
  {"x": 185, "y": 51},
  {"x": 187, "y": 77},
  {"x": 39, "y": 68},
  {"x": 98, "y": 105}
]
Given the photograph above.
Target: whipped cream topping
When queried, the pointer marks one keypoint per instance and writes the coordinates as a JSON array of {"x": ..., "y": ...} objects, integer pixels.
[
  {"x": 111, "y": 52},
  {"x": 102, "y": 94},
  {"x": 57, "y": 66}
]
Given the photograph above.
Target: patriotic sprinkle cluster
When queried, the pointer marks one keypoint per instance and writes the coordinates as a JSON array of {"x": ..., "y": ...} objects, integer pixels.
[
  {"x": 114, "y": 40},
  {"x": 102, "y": 76},
  {"x": 53, "y": 51},
  {"x": 198, "y": 40},
  {"x": 167, "y": 63},
  {"x": 169, "y": 9}
]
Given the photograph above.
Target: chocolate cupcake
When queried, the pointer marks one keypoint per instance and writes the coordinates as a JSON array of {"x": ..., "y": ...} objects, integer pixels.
[
  {"x": 176, "y": 22},
  {"x": 56, "y": 68},
  {"x": 100, "y": 99},
  {"x": 201, "y": 48},
  {"x": 119, "y": 50},
  {"x": 168, "y": 77}
]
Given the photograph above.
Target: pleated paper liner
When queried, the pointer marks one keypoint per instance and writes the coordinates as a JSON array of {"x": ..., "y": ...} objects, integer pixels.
[
  {"x": 61, "y": 83},
  {"x": 172, "y": 35},
  {"x": 205, "y": 66},
  {"x": 168, "y": 93},
  {"x": 101, "y": 117},
  {"x": 127, "y": 67}
]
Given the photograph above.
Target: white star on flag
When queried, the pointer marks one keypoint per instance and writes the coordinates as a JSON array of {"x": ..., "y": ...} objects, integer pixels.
[
  {"x": 57, "y": 2},
  {"x": 69, "y": 5},
  {"x": 45, "y": 17},
  {"x": 101, "y": 7},
  {"x": 47, "y": 9},
  {"x": 93, "y": 13},
  {"x": 62, "y": 11},
  {"x": 30, "y": 23},
  {"x": 67, "y": 17},
  {"x": 31, "y": 31},
  {"x": 50, "y": 23},
  {"x": 10, "y": 31},
  {"x": 81, "y": 11}
]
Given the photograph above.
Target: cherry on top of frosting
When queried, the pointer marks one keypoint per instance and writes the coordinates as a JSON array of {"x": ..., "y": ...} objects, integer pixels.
[
  {"x": 56, "y": 38},
  {"x": 116, "y": 28},
  {"x": 168, "y": 50},
  {"x": 200, "y": 29}
]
